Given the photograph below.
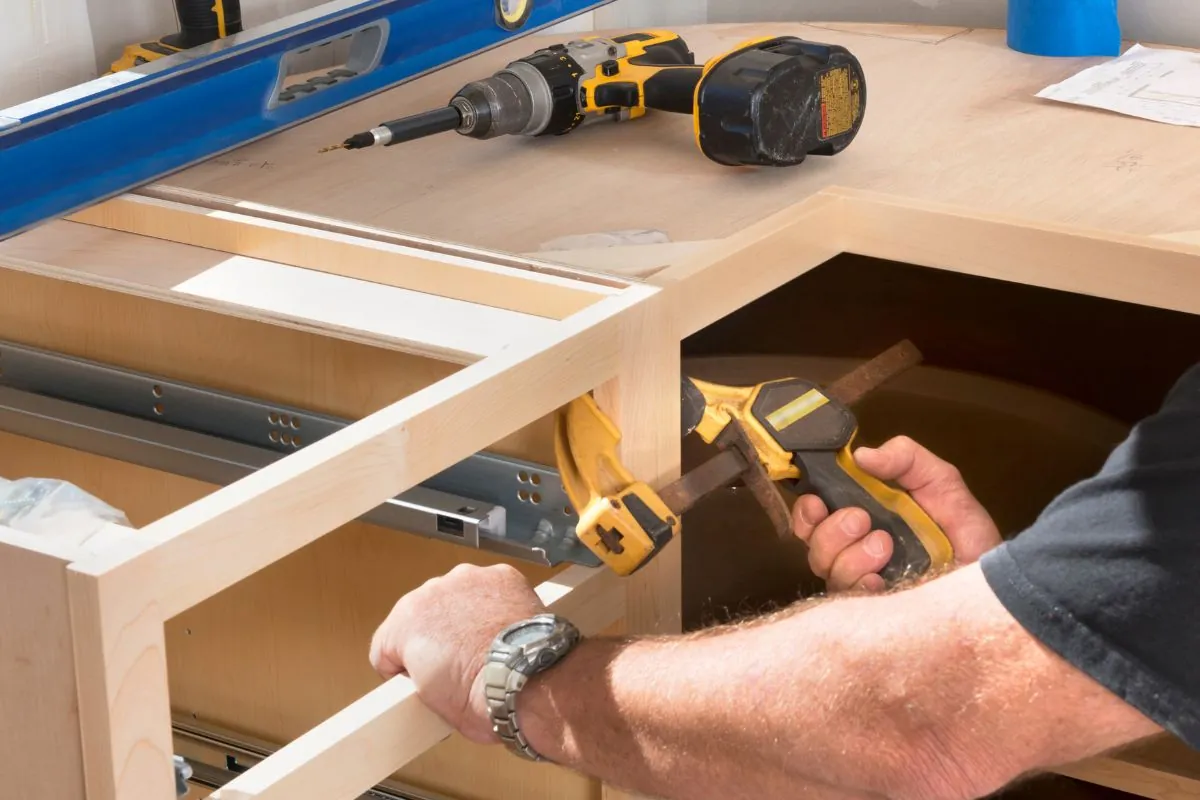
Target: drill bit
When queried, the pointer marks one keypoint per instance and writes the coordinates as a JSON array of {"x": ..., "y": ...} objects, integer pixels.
[
  {"x": 359, "y": 141},
  {"x": 418, "y": 126}
]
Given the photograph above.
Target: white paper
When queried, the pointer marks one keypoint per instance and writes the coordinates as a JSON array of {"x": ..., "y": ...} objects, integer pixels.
[
  {"x": 357, "y": 305},
  {"x": 1155, "y": 84}
]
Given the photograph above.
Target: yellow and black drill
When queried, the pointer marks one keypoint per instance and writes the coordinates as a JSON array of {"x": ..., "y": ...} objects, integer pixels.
[
  {"x": 200, "y": 22},
  {"x": 768, "y": 102}
]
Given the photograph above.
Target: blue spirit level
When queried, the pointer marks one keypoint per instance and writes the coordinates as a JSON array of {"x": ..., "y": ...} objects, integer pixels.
[{"x": 71, "y": 149}]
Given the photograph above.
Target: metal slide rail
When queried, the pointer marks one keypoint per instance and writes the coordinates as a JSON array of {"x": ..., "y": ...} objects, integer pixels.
[{"x": 488, "y": 502}]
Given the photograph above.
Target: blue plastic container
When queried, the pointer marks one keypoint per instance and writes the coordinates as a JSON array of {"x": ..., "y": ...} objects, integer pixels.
[{"x": 1064, "y": 28}]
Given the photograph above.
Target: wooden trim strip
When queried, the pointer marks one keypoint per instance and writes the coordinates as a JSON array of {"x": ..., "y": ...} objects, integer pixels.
[
  {"x": 1132, "y": 269},
  {"x": 455, "y": 277},
  {"x": 369, "y": 740},
  {"x": 243, "y": 311},
  {"x": 532, "y": 262}
]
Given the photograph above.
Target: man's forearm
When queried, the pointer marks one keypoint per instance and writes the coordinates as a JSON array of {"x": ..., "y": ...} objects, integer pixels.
[
  {"x": 632, "y": 715},
  {"x": 908, "y": 695}
]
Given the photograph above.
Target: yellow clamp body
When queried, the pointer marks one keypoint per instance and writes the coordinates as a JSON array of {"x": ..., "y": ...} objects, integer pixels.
[{"x": 617, "y": 513}]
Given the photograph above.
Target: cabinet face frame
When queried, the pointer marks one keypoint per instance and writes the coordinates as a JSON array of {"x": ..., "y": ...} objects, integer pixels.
[
  {"x": 121, "y": 598},
  {"x": 625, "y": 346}
]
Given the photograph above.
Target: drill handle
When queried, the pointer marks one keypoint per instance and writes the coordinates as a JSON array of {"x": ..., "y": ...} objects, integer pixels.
[
  {"x": 918, "y": 543},
  {"x": 673, "y": 89},
  {"x": 660, "y": 87},
  {"x": 658, "y": 71}
]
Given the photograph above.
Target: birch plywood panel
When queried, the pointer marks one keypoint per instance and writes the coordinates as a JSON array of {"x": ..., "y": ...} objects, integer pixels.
[{"x": 952, "y": 120}]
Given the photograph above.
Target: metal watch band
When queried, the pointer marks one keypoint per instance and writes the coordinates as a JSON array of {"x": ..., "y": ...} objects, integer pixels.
[
  {"x": 501, "y": 686},
  {"x": 509, "y": 667}
]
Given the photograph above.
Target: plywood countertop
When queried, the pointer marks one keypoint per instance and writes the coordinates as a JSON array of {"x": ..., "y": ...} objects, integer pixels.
[
  {"x": 951, "y": 117},
  {"x": 958, "y": 166}
]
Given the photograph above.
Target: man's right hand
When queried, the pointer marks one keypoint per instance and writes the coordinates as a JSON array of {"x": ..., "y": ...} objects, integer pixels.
[{"x": 847, "y": 554}]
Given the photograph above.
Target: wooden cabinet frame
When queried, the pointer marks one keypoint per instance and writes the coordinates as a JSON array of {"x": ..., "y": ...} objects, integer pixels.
[{"x": 618, "y": 338}]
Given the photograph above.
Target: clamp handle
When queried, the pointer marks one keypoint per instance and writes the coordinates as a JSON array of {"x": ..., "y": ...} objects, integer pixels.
[
  {"x": 817, "y": 433},
  {"x": 918, "y": 543}
]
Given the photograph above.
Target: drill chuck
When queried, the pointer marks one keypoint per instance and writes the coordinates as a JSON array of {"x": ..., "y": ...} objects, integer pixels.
[
  {"x": 502, "y": 105},
  {"x": 534, "y": 96}
]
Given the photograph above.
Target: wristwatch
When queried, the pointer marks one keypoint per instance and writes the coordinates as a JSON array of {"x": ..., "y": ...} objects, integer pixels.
[{"x": 521, "y": 651}]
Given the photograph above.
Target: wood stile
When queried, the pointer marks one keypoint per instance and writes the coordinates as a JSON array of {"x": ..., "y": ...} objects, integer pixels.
[{"x": 642, "y": 399}]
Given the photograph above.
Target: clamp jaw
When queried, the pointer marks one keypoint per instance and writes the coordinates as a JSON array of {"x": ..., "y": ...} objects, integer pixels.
[
  {"x": 621, "y": 520},
  {"x": 789, "y": 430}
]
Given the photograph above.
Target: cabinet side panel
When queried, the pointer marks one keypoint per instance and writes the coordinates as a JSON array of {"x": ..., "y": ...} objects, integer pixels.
[{"x": 40, "y": 751}]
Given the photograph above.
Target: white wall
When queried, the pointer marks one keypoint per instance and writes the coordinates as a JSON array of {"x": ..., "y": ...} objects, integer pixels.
[
  {"x": 45, "y": 45},
  {"x": 1148, "y": 21},
  {"x": 646, "y": 13}
]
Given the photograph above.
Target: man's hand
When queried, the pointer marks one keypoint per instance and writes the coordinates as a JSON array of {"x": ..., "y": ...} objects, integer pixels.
[
  {"x": 847, "y": 554},
  {"x": 439, "y": 635}
]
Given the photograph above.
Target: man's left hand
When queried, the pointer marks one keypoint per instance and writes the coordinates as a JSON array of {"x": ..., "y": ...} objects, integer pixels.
[{"x": 440, "y": 634}]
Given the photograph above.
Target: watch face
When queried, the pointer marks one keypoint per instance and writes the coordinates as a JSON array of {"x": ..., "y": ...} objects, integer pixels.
[{"x": 528, "y": 634}]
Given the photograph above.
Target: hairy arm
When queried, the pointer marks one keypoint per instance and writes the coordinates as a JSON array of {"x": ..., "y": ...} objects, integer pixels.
[
  {"x": 931, "y": 692},
  {"x": 934, "y": 692}
]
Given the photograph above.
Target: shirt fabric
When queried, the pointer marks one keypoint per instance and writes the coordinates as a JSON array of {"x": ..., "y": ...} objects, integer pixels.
[{"x": 1108, "y": 577}]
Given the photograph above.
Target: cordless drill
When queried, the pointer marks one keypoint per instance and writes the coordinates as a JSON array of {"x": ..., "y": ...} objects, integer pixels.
[{"x": 768, "y": 102}]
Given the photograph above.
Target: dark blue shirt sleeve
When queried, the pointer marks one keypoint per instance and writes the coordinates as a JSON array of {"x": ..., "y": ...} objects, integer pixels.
[{"x": 1108, "y": 577}]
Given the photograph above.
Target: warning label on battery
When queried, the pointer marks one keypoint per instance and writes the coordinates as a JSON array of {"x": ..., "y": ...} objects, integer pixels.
[{"x": 839, "y": 102}]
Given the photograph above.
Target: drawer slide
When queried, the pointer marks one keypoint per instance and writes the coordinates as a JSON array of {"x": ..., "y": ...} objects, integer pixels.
[{"x": 502, "y": 505}]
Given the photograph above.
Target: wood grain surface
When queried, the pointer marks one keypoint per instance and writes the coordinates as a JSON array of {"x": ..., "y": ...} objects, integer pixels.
[{"x": 951, "y": 117}]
